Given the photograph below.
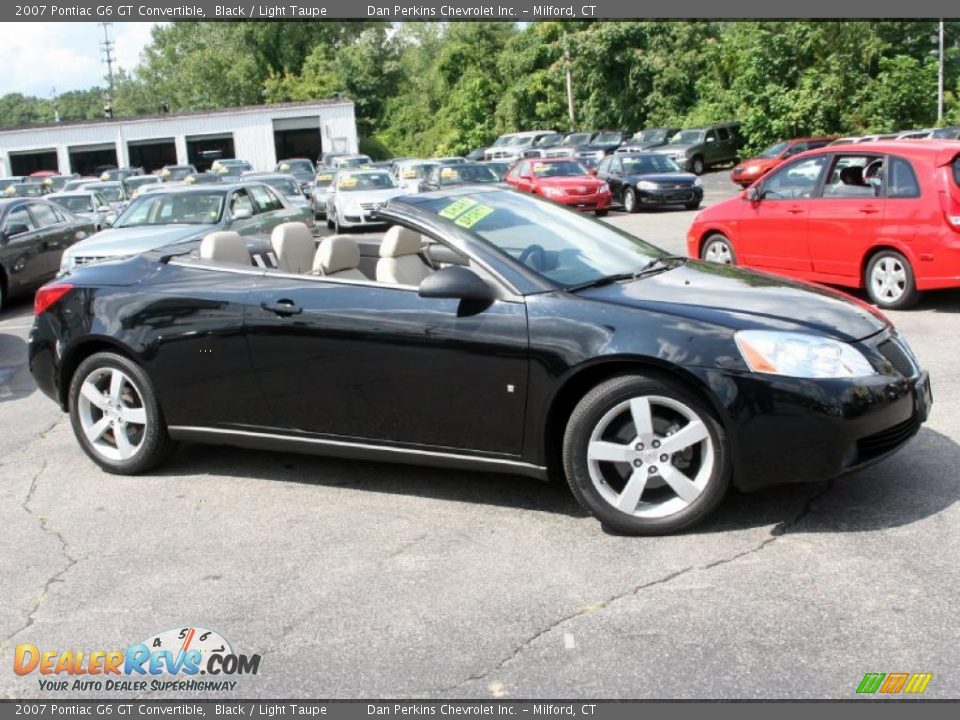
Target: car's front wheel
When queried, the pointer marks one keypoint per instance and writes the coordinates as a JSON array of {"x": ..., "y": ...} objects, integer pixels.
[
  {"x": 890, "y": 282},
  {"x": 115, "y": 415},
  {"x": 717, "y": 248},
  {"x": 630, "y": 203},
  {"x": 645, "y": 456},
  {"x": 697, "y": 166}
]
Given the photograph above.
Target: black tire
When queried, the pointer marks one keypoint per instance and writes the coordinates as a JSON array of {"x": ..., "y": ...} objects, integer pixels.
[
  {"x": 908, "y": 293},
  {"x": 692, "y": 205},
  {"x": 630, "y": 203},
  {"x": 601, "y": 213},
  {"x": 3, "y": 290},
  {"x": 697, "y": 166},
  {"x": 719, "y": 239},
  {"x": 156, "y": 445},
  {"x": 329, "y": 223},
  {"x": 595, "y": 405},
  {"x": 336, "y": 222}
]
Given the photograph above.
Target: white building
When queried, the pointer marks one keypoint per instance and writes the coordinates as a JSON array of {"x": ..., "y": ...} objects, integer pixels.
[{"x": 260, "y": 134}]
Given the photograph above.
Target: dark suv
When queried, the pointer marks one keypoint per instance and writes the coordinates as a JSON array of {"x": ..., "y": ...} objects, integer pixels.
[{"x": 697, "y": 149}]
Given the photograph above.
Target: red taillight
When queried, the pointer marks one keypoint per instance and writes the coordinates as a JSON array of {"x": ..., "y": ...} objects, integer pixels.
[
  {"x": 48, "y": 295},
  {"x": 951, "y": 210}
]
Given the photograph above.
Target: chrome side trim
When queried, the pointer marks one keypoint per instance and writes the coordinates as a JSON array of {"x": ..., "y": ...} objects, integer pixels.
[{"x": 357, "y": 450}]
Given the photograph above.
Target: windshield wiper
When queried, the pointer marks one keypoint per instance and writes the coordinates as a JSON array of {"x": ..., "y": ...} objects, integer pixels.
[{"x": 654, "y": 265}]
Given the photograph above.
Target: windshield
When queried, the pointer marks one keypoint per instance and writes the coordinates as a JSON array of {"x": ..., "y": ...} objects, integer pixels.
[
  {"x": 177, "y": 173},
  {"x": 352, "y": 162},
  {"x": 295, "y": 166},
  {"x": 576, "y": 249},
  {"x": 774, "y": 150},
  {"x": 110, "y": 193},
  {"x": 365, "y": 181},
  {"x": 465, "y": 174},
  {"x": 132, "y": 183},
  {"x": 521, "y": 140},
  {"x": 647, "y": 164},
  {"x": 324, "y": 179},
  {"x": 285, "y": 186},
  {"x": 687, "y": 137},
  {"x": 655, "y": 135},
  {"x": 576, "y": 139},
  {"x": 409, "y": 172},
  {"x": 558, "y": 169},
  {"x": 549, "y": 140},
  {"x": 76, "y": 203},
  {"x": 502, "y": 140},
  {"x": 28, "y": 189},
  {"x": 233, "y": 169},
  {"x": 189, "y": 208},
  {"x": 499, "y": 168},
  {"x": 608, "y": 137}
]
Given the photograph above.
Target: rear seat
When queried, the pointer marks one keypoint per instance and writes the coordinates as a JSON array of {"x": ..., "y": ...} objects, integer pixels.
[{"x": 225, "y": 246}]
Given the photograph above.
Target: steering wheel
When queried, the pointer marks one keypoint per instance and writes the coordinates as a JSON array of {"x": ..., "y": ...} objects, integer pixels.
[{"x": 527, "y": 256}]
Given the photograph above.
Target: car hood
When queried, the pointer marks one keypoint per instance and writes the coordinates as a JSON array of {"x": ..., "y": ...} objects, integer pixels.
[
  {"x": 740, "y": 299},
  {"x": 368, "y": 196},
  {"x": 135, "y": 240},
  {"x": 674, "y": 148},
  {"x": 761, "y": 161},
  {"x": 675, "y": 178}
]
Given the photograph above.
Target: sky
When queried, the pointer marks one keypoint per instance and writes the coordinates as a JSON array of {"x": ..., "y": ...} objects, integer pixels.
[{"x": 43, "y": 55}]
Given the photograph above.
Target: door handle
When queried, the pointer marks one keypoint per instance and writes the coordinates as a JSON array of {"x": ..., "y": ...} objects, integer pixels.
[
  {"x": 869, "y": 210},
  {"x": 284, "y": 308},
  {"x": 794, "y": 210}
]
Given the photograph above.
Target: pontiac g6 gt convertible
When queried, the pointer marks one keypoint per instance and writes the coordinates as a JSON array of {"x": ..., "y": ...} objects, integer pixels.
[{"x": 489, "y": 330}]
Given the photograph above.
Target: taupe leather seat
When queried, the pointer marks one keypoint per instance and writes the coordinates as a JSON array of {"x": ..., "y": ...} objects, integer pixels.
[
  {"x": 338, "y": 257},
  {"x": 225, "y": 246},
  {"x": 294, "y": 247},
  {"x": 399, "y": 263}
]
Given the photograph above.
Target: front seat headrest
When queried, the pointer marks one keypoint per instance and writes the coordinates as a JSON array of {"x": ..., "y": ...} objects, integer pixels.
[
  {"x": 225, "y": 246},
  {"x": 400, "y": 241},
  {"x": 337, "y": 254},
  {"x": 294, "y": 247}
]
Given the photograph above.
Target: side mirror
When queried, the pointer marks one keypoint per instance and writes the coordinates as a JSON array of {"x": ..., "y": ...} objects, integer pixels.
[
  {"x": 242, "y": 213},
  {"x": 104, "y": 209},
  {"x": 457, "y": 283},
  {"x": 592, "y": 171},
  {"x": 109, "y": 220},
  {"x": 709, "y": 139},
  {"x": 753, "y": 194}
]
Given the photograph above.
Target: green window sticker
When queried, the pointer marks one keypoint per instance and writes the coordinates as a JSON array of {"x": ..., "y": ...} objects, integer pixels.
[
  {"x": 456, "y": 208},
  {"x": 473, "y": 216}
]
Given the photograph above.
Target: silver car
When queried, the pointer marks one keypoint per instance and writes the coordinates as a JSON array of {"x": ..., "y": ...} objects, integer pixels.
[
  {"x": 288, "y": 187},
  {"x": 110, "y": 190},
  {"x": 321, "y": 186},
  {"x": 87, "y": 204},
  {"x": 354, "y": 195},
  {"x": 408, "y": 173}
]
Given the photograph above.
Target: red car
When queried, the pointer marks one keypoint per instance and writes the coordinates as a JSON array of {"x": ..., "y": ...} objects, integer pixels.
[
  {"x": 882, "y": 215},
  {"x": 562, "y": 180},
  {"x": 748, "y": 171}
]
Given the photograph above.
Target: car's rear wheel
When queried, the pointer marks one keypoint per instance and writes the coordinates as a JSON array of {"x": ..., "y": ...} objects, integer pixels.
[
  {"x": 645, "y": 456},
  {"x": 890, "y": 281},
  {"x": 115, "y": 415},
  {"x": 717, "y": 248},
  {"x": 697, "y": 165},
  {"x": 630, "y": 203}
]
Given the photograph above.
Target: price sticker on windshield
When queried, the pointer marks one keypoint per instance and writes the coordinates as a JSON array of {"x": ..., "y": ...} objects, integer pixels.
[
  {"x": 346, "y": 182},
  {"x": 457, "y": 208},
  {"x": 472, "y": 216},
  {"x": 449, "y": 173},
  {"x": 321, "y": 178}
]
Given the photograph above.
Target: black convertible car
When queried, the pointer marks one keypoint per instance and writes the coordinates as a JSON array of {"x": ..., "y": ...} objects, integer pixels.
[{"x": 494, "y": 331}]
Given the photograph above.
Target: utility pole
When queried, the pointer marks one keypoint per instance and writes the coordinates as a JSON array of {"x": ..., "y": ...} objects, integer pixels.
[
  {"x": 940, "y": 77},
  {"x": 570, "y": 110},
  {"x": 106, "y": 48},
  {"x": 56, "y": 110}
]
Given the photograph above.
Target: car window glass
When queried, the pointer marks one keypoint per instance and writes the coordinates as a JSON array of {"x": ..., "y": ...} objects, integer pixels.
[
  {"x": 796, "y": 149},
  {"x": 711, "y": 135},
  {"x": 854, "y": 176},
  {"x": 264, "y": 201},
  {"x": 19, "y": 221},
  {"x": 44, "y": 215},
  {"x": 616, "y": 165},
  {"x": 794, "y": 181},
  {"x": 240, "y": 203},
  {"x": 903, "y": 181},
  {"x": 606, "y": 165},
  {"x": 723, "y": 133}
]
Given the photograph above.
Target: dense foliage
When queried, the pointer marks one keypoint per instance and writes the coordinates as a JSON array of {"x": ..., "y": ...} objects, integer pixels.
[{"x": 432, "y": 88}]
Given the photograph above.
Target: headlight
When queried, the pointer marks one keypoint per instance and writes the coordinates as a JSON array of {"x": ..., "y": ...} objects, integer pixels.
[
  {"x": 801, "y": 355},
  {"x": 65, "y": 262},
  {"x": 647, "y": 185},
  {"x": 553, "y": 192},
  {"x": 697, "y": 182},
  {"x": 751, "y": 170},
  {"x": 603, "y": 189}
]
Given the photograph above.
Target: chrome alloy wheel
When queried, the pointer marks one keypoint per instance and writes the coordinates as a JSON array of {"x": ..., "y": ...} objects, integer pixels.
[
  {"x": 112, "y": 413},
  {"x": 889, "y": 279},
  {"x": 718, "y": 251},
  {"x": 650, "y": 456}
]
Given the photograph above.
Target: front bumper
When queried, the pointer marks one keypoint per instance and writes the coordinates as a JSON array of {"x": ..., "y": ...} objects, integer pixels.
[
  {"x": 789, "y": 430},
  {"x": 670, "y": 196},
  {"x": 584, "y": 203}
]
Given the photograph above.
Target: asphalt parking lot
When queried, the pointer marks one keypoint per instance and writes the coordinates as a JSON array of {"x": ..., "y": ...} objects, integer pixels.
[{"x": 355, "y": 579}]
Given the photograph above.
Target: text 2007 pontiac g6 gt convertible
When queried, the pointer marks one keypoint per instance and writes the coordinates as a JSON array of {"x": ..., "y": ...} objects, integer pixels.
[{"x": 491, "y": 331}]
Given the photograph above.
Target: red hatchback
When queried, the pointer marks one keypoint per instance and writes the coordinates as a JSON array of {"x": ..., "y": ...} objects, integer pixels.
[
  {"x": 562, "y": 180},
  {"x": 748, "y": 171},
  {"x": 882, "y": 215}
]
